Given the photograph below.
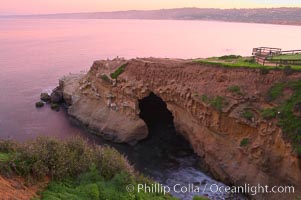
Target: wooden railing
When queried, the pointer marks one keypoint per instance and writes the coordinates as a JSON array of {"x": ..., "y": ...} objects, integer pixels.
[
  {"x": 266, "y": 51},
  {"x": 264, "y": 55}
]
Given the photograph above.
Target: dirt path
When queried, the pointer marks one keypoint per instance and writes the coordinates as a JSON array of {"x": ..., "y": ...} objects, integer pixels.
[{"x": 16, "y": 189}]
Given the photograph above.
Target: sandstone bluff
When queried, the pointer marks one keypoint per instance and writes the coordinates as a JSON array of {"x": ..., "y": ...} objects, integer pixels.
[{"x": 236, "y": 149}]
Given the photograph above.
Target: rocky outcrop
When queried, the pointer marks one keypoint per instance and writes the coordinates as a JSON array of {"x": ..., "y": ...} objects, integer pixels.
[{"x": 223, "y": 125}]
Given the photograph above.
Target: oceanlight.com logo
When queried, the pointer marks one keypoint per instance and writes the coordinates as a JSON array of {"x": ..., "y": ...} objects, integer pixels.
[{"x": 214, "y": 188}]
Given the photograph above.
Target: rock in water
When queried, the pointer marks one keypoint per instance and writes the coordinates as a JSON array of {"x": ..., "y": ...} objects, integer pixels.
[
  {"x": 56, "y": 96},
  {"x": 55, "y": 107},
  {"x": 39, "y": 104},
  {"x": 45, "y": 97}
]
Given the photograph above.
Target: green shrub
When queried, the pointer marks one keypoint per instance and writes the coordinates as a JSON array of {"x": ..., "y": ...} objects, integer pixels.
[
  {"x": 234, "y": 89},
  {"x": 105, "y": 78},
  {"x": 247, "y": 115},
  {"x": 205, "y": 99},
  {"x": 269, "y": 113},
  {"x": 227, "y": 57},
  {"x": 8, "y": 146},
  {"x": 244, "y": 142},
  {"x": 62, "y": 159},
  {"x": 297, "y": 148},
  {"x": 250, "y": 60},
  {"x": 275, "y": 91},
  {"x": 287, "y": 120},
  {"x": 217, "y": 103},
  {"x": 78, "y": 170},
  {"x": 91, "y": 185},
  {"x": 4, "y": 157},
  {"x": 118, "y": 71},
  {"x": 111, "y": 162}
]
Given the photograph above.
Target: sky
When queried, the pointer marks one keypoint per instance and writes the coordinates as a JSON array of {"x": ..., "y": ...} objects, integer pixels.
[{"x": 69, "y": 6}]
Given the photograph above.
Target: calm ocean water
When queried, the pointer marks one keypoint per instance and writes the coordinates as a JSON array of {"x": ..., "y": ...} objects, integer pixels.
[{"x": 34, "y": 54}]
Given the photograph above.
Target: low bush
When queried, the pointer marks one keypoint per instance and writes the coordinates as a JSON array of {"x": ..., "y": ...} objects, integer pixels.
[
  {"x": 250, "y": 60},
  {"x": 269, "y": 113},
  {"x": 105, "y": 78},
  {"x": 4, "y": 157},
  {"x": 234, "y": 89},
  {"x": 247, "y": 114},
  {"x": 275, "y": 91},
  {"x": 205, "y": 98},
  {"x": 288, "y": 121},
  {"x": 118, "y": 71},
  {"x": 92, "y": 186},
  {"x": 227, "y": 57},
  {"x": 58, "y": 160},
  {"x": 78, "y": 170},
  {"x": 217, "y": 103},
  {"x": 8, "y": 146},
  {"x": 244, "y": 142}
]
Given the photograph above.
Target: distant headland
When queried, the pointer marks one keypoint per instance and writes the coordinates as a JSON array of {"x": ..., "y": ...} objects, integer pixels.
[{"x": 284, "y": 16}]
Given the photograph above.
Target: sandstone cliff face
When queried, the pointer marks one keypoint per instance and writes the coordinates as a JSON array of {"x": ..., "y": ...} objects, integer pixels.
[{"x": 111, "y": 108}]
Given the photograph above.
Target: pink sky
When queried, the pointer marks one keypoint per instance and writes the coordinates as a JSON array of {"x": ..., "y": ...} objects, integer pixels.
[{"x": 59, "y": 6}]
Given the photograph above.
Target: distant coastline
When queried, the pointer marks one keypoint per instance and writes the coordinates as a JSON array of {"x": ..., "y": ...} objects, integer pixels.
[{"x": 280, "y": 16}]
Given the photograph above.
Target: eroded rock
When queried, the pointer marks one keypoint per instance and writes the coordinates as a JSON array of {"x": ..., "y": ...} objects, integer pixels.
[{"x": 213, "y": 127}]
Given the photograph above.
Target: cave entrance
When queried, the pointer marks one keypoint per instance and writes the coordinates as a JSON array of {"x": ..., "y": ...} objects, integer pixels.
[
  {"x": 163, "y": 146},
  {"x": 154, "y": 112}
]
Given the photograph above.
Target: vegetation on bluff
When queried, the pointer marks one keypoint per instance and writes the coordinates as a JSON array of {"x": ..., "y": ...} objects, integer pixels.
[
  {"x": 118, "y": 71},
  {"x": 287, "y": 57},
  {"x": 235, "y": 89},
  {"x": 247, "y": 114},
  {"x": 236, "y": 61},
  {"x": 269, "y": 113},
  {"x": 92, "y": 186},
  {"x": 105, "y": 78},
  {"x": 230, "y": 61},
  {"x": 288, "y": 112},
  {"x": 217, "y": 102},
  {"x": 77, "y": 170},
  {"x": 244, "y": 142}
]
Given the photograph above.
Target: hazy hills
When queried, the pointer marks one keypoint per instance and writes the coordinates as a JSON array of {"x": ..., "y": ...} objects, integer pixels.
[{"x": 260, "y": 15}]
